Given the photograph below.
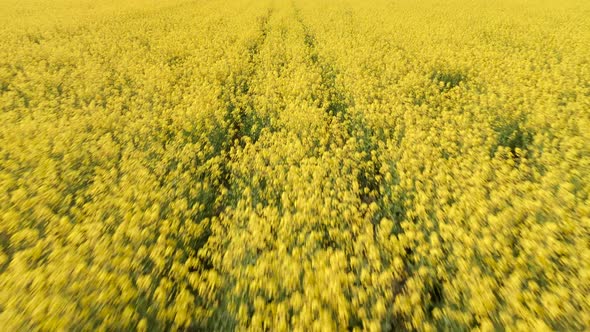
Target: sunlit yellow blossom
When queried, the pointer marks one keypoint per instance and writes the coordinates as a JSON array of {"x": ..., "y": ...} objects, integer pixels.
[{"x": 294, "y": 165}]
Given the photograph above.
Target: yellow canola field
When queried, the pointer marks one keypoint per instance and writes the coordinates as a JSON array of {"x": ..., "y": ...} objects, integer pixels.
[{"x": 295, "y": 165}]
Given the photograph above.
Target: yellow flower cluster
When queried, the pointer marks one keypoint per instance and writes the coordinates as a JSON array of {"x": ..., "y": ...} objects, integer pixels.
[{"x": 295, "y": 165}]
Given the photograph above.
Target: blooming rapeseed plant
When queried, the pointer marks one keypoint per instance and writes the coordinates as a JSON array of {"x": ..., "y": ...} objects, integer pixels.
[{"x": 294, "y": 165}]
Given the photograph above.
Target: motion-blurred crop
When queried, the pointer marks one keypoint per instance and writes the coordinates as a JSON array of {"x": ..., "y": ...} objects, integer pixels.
[{"x": 295, "y": 165}]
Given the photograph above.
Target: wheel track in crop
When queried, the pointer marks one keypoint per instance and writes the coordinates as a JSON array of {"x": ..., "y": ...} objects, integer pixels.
[
  {"x": 241, "y": 123},
  {"x": 339, "y": 106},
  {"x": 345, "y": 126}
]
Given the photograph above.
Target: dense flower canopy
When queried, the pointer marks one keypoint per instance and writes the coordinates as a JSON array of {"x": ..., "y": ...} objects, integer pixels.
[{"x": 295, "y": 165}]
